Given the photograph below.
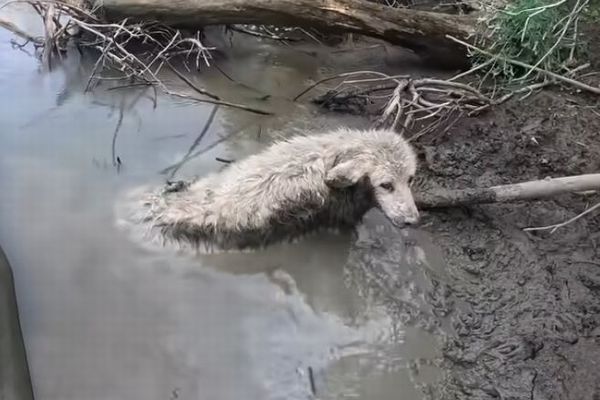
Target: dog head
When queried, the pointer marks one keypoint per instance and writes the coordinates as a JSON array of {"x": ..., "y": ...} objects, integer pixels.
[{"x": 387, "y": 164}]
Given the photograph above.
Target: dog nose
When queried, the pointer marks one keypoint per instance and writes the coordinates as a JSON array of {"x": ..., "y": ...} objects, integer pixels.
[{"x": 412, "y": 219}]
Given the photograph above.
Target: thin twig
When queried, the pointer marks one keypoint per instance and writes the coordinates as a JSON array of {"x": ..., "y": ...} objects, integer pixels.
[
  {"x": 219, "y": 102},
  {"x": 197, "y": 141},
  {"x": 191, "y": 84},
  {"x": 131, "y": 85},
  {"x": 534, "y": 9},
  {"x": 343, "y": 75},
  {"x": 116, "y": 132},
  {"x": 101, "y": 58},
  {"x": 576, "y": 9},
  {"x": 311, "y": 379},
  {"x": 554, "y": 227},
  {"x": 214, "y": 144},
  {"x": 111, "y": 40},
  {"x": 261, "y": 35},
  {"x": 597, "y": 264}
]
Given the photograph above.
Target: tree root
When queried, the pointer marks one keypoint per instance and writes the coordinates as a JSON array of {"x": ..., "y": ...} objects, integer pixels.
[{"x": 408, "y": 101}]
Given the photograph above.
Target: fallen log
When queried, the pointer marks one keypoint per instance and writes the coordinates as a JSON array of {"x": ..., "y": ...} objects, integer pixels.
[
  {"x": 421, "y": 31},
  {"x": 532, "y": 190}
]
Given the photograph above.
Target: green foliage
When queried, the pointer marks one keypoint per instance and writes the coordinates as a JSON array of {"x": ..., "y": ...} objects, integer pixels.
[
  {"x": 592, "y": 13},
  {"x": 536, "y": 32}
]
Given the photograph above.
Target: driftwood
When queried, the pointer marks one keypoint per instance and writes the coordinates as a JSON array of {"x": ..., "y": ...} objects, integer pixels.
[
  {"x": 532, "y": 190},
  {"x": 422, "y": 31}
]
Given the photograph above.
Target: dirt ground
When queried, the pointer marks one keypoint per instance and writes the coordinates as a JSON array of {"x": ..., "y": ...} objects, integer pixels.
[{"x": 529, "y": 323}]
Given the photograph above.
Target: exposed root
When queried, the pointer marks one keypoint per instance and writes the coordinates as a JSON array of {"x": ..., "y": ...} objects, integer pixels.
[
  {"x": 408, "y": 102},
  {"x": 426, "y": 105}
]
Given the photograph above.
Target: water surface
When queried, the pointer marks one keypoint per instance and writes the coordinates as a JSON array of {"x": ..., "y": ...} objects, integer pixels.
[{"x": 105, "y": 318}]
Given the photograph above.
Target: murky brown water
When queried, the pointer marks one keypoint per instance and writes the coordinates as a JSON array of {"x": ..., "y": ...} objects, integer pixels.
[{"x": 104, "y": 318}]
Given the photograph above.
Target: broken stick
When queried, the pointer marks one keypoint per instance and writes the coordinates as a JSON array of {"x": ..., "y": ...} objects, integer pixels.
[{"x": 532, "y": 190}]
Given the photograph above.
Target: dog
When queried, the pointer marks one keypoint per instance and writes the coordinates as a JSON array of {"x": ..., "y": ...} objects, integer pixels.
[{"x": 291, "y": 188}]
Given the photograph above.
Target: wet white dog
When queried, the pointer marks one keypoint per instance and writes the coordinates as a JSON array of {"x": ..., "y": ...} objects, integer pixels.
[{"x": 291, "y": 188}]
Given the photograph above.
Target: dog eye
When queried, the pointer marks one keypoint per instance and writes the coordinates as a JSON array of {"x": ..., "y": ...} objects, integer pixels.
[
  {"x": 411, "y": 180},
  {"x": 387, "y": 186}
]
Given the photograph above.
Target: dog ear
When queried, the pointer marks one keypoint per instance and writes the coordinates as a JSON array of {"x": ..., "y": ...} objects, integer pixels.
[{"x": 345, "y": 174}]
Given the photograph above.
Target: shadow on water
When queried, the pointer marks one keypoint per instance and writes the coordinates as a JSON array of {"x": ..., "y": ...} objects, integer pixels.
[{"x": 104, "y": 318}]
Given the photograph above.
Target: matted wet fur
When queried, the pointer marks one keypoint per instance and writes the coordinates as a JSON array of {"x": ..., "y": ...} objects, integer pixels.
[{"x": 291, "y": 188}]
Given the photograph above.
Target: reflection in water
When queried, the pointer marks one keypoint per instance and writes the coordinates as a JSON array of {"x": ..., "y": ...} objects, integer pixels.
[{"x": 105, "y": 319}]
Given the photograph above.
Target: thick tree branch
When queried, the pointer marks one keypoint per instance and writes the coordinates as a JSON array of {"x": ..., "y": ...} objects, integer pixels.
[
  {"x": 532, "y": 190},
  {"x": 422, "y": 31}
]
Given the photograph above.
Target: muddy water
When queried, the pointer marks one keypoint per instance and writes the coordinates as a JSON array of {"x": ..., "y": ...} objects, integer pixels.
[{"x": 105, "y": 318}]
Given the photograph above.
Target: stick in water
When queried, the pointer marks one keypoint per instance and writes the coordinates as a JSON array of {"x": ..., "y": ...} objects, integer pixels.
[{"x": 311, "y": 378}]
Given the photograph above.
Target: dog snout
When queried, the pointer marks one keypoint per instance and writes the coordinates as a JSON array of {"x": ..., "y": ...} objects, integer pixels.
[
  {"x": 412, "y": 219},
  {"x": 406, "y": 220},
  {"x": 411, "y": 213}
]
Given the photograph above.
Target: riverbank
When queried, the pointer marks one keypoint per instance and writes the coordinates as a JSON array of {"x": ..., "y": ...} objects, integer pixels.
[{"x": 530, "y": 323}]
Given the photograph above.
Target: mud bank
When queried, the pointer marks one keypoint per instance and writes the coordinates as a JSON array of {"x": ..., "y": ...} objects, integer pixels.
[{"x": 526, "y": 314}]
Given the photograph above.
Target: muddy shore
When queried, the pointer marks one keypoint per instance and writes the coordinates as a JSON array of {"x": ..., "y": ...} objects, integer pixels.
[
  {"x": 523, "y": 308},
  {"x": 528, "y": 325}
]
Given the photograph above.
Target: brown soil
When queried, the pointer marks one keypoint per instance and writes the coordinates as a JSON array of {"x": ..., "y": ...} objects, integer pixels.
[{"x": 528, "y": 325}]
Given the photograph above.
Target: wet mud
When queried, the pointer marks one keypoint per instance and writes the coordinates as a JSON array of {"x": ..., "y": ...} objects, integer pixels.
[{"x": 524, "y": 306}]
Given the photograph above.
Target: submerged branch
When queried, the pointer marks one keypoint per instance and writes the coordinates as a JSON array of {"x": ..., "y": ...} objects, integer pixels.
[
  {"x": 196, "y": 142},
  {"x": 19, "y": 32}
]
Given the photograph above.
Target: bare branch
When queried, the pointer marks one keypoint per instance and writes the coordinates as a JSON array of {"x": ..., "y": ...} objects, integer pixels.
[
  {"x": 219, "y": 102},
  {"x": 196, "y": 142},
  {"x": 191, "y": 84},
  {"x": 409, "y": 100},
  {"x": 554, "y": 227},
  {"x": 112, "y": 41},
  {"x": 531, "y": 190}
]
